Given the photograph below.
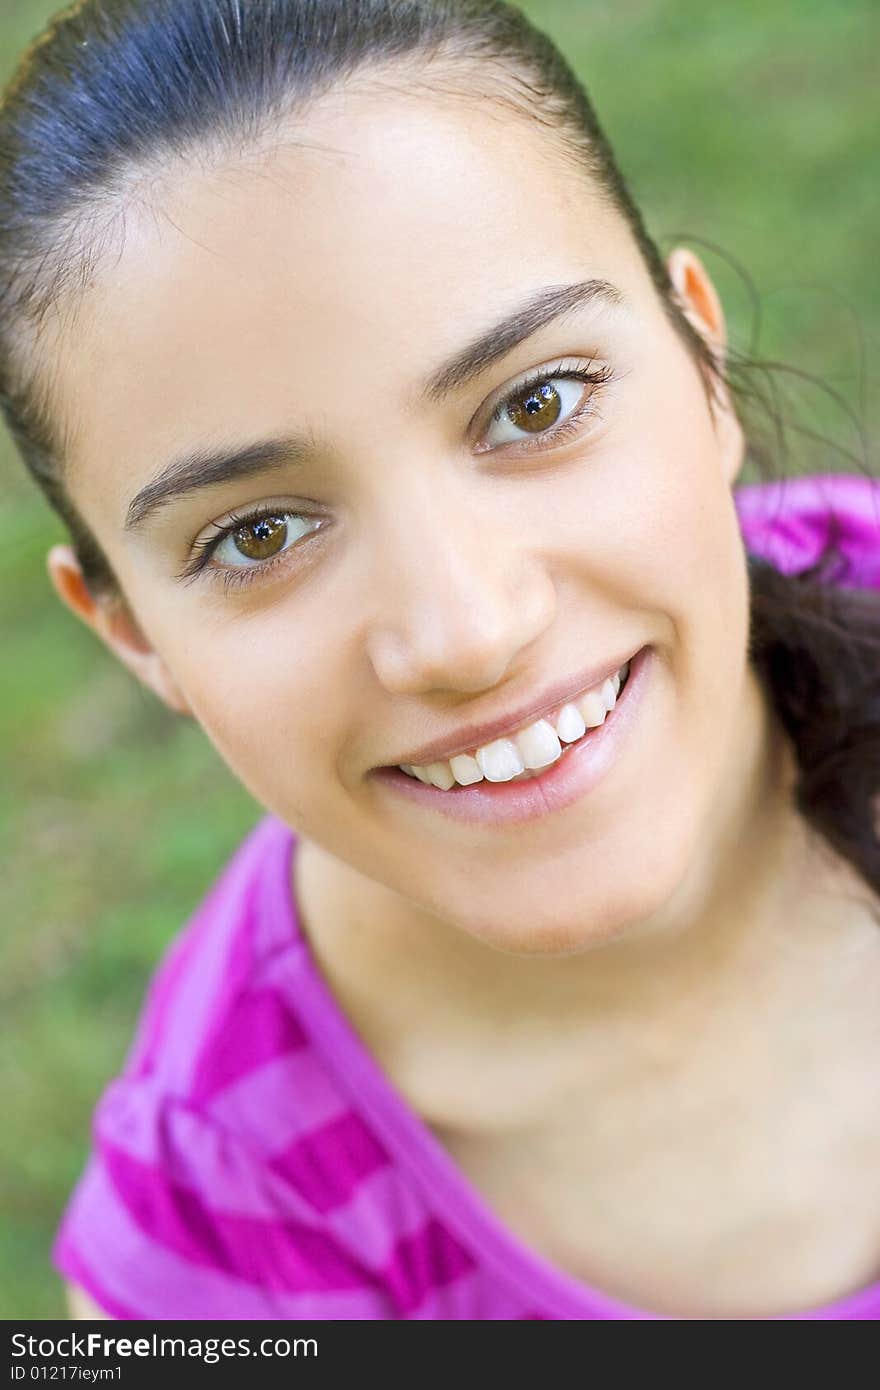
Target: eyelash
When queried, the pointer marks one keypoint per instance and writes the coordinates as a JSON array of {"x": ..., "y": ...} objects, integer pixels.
[{"x": 242, "y": 575}]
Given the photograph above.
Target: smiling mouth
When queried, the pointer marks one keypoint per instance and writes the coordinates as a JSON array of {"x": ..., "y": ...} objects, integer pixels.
[
  {"x": 448, "y": 781},
  {"x": 585, "y": 764}
]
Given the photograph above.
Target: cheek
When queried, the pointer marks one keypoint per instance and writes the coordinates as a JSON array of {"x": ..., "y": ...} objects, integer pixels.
[
  {"x": 650, "y": 516},
  {"x": 684, "y": 564},
  {"x": 264, "y": 705},
  {"x": 680, "y": 510}
]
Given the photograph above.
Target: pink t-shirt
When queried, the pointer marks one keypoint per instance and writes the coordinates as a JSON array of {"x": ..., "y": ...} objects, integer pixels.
[{"x": 253, "y": 1161}]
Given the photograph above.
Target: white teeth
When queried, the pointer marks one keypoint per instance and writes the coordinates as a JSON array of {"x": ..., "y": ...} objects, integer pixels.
[
  {"x": 538, "y": 745},
  {"x": 440, "y": 775},
  {"x": 466, "y": 769},
  {"x": 500, "y": 760},
  {"x": 593, "y": 709},
  {"x": 608, "y": 693},
  {"x": 570, "y": 724}
]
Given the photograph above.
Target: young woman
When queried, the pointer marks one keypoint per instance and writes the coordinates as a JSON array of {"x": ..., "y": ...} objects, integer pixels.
[{"x": 394, "y": 454}]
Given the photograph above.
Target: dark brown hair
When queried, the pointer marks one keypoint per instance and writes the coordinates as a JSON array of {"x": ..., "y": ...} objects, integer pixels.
[{"x": 114, "y": 88}]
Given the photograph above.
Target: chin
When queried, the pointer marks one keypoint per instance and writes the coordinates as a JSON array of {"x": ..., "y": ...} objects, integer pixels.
[
  {"x": 619, "y": 907},
  {"x": 544, "y": 936},
  {"x": 552, "y": 944}
]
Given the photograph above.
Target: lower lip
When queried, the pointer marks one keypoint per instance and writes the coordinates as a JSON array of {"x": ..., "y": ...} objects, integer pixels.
[{"x": 579, "y": 769}]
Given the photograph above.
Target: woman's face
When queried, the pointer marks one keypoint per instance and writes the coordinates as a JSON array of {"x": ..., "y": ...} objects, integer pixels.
[{"x": 439, "y": 567}]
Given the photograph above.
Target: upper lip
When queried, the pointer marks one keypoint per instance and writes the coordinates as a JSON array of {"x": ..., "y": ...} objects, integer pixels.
[{"x": 476, "y": 735}]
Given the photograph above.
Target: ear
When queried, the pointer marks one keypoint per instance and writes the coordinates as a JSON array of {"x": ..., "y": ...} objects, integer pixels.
[
  {"x": 112, "y": 620},
  {"x": 701, "y": 306},
  {"x": 698, "y": 298}
]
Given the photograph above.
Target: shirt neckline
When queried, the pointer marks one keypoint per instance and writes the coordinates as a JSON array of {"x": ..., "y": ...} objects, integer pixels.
[{"x": 536, "y": 1280}]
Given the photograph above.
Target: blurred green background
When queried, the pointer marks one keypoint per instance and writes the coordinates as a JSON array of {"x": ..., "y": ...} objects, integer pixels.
[{"x": 750, "y": 126}]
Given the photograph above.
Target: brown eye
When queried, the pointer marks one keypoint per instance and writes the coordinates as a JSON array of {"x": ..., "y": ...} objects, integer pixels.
[
  {"x": 259, "y": 538},
  {"x": 535, "y": 410},
  {"x": 262, "y": 539},
  {"x": 250, "y": 545},
  {"x": 549, "y": 406}
]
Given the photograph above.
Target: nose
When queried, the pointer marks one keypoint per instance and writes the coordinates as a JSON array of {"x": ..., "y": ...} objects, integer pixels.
[{"x": 460, "y": 594}]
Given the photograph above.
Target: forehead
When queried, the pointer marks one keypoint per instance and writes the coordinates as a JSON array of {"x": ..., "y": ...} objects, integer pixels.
[{"x": 371, "y": 239}]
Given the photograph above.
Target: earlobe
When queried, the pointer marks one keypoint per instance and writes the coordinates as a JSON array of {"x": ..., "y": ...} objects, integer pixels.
[{"x": 111, "y": 619}]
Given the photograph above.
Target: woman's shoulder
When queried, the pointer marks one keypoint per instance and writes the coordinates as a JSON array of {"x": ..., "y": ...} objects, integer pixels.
[
  {"x": 223, "y": 1150},
  {"x": 791, "y": 521},
  {"x": 202, "y": 992}
]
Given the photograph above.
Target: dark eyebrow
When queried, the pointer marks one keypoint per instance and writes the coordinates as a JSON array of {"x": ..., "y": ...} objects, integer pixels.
[
  {"x": 548, "y": 304},
  {"x": 203, "y": 468}
]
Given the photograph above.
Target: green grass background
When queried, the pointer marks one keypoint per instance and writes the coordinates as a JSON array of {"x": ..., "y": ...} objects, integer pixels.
[{"x": 750, "y": 126}]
